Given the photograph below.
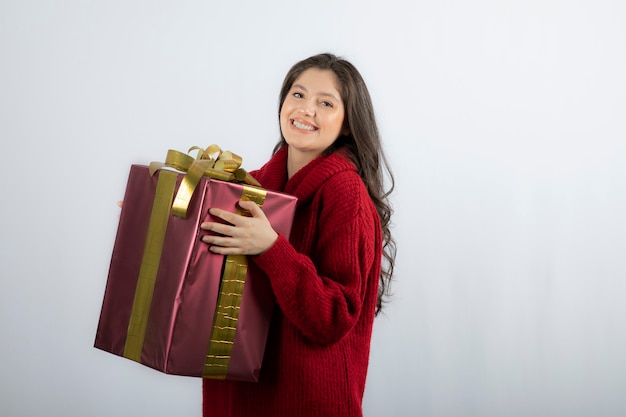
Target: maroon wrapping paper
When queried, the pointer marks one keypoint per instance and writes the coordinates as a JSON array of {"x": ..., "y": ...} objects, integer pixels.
[{"x": 187, "y": 283}]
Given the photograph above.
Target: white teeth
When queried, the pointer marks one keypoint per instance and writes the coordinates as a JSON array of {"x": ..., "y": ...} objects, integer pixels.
[{"x": 302, "y": 126}]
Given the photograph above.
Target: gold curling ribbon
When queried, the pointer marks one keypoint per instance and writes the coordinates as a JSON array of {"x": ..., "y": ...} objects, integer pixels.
[
  {"x": 206, "y": 164},
  {"x": 229, "y": 302}
]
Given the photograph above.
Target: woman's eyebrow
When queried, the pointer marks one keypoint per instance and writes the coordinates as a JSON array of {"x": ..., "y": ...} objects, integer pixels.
[{"x": 301, "y": 87}]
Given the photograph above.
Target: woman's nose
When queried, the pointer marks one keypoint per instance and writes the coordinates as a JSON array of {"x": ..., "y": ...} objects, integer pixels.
[{"x": 307, "y": 108}]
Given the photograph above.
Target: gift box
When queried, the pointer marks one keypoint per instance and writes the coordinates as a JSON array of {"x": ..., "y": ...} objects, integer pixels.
[{"x": 169, "y": 302}]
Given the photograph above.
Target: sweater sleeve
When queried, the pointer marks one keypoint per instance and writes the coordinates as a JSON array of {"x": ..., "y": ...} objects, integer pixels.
[{"x": 325, "y": 299}]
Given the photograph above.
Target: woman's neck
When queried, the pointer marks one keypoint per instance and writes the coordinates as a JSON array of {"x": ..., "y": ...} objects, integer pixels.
[{"x": 297, "y": 160}]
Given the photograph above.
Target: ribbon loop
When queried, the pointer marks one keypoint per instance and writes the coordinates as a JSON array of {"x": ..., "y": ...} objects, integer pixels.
[{"x": 210, "y": 162}]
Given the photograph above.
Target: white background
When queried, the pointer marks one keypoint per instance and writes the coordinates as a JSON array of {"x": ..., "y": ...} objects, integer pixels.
[{"x": 505, "y": 125}]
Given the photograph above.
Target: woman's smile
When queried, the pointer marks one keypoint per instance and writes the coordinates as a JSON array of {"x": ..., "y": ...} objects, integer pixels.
[{"x": 303, "y": 125}]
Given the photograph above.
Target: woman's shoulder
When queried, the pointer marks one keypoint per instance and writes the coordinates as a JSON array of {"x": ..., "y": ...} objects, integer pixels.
[
  {"x": 345, "y": 189},
  {"x": 346, "y": 181},
  {"x": 345, "y": 177}
]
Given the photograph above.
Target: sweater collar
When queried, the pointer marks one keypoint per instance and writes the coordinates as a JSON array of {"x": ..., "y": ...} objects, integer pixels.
[
  {"x": 304, "y": 183},
  {"x": 307, "y": 181}
]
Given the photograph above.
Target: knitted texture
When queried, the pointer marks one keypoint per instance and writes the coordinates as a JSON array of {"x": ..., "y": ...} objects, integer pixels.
[{"x": 325, "y": 280}]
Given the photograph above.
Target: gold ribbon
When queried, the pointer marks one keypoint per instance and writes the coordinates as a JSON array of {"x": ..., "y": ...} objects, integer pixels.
[
  {"x": 229, "y": 303},
  {"x": 149, "y": 265},
  {"x": 214, "y": 163},
  {"x": 211, "y": 162}
]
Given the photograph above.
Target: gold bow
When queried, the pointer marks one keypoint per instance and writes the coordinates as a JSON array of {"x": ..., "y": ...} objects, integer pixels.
[{"x": 210, "y": 162}]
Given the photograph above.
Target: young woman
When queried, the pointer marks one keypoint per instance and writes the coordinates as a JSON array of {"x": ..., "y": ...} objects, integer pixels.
[{"x": 329, "y": 278}]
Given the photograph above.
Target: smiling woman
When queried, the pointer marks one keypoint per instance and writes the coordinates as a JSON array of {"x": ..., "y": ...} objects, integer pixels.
[{"x": 328, "y": 278}]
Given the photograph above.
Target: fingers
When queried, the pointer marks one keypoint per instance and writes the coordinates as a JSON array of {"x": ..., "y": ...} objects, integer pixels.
[
  {"x": 219, "y": 228},
  {"x": 232, "y": 218},
  {"x": 252, "y": 207},
  {"x": 218, "y": 242},
  {"x": 241, "y": 235},
  {"x": 224, "y": 242},
  {"x": 237, "y": 219},
  {"x": 120, "y": 203},
  {"x": 223, "y": 234},
  {"x": 226, "y": 250},
  {"x": 221, "y": 237}
]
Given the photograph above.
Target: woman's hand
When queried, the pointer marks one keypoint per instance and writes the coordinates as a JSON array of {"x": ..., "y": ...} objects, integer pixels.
[{"x": 242, "y": 235}]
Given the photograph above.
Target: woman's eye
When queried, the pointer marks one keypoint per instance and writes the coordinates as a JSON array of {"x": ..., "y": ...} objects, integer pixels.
[
  {"x": 327, "y": 104},
  {"x": 297, "y": 95}
]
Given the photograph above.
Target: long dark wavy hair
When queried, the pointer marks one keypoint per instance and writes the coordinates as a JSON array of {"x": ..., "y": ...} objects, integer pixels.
[{"x": 362, "y": 144}]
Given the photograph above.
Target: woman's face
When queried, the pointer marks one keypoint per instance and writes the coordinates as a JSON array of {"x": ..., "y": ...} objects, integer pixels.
[{"x": 312, "y": 115}]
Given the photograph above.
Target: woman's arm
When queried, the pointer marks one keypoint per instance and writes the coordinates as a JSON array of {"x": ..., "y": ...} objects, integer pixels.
[{"x": 324, "y": 296}]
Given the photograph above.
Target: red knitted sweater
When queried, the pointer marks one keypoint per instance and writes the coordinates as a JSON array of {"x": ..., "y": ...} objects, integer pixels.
[{"x": 325, "y": 279}]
